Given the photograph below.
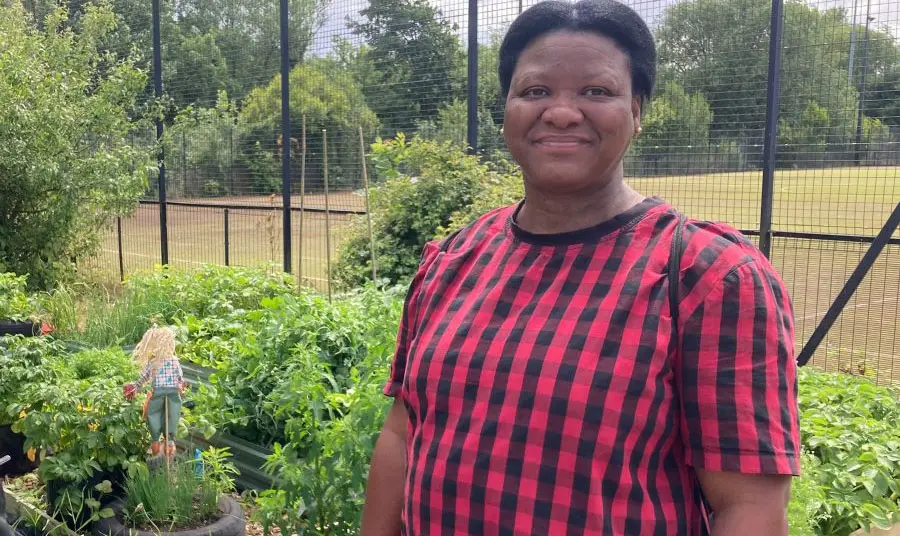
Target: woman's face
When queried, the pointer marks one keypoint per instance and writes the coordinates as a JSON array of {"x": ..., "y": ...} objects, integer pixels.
[{"x": 570, "y": 113}]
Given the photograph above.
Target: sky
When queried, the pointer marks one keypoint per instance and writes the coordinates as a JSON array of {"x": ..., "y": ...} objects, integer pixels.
[{"x": 495, "y": 15}]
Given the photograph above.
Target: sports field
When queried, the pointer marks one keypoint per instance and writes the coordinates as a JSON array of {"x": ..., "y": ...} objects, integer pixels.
[{"x": 853, "y": 201}]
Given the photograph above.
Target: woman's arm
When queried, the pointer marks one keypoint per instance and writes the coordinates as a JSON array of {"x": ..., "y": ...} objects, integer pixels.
[{"x": 384, "y": 494}]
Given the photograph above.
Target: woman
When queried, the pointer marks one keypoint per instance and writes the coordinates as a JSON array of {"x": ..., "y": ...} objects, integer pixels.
[{"x": 550, "y": 376}]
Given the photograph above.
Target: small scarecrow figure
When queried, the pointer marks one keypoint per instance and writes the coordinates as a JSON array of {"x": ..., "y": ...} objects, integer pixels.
[{"x": 162, "y": 410}]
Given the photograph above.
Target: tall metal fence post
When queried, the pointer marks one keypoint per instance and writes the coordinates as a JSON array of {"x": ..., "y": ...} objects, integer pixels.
[
  {"x": 227, "y": 240},
  {"x": 472, "y": 81},
  {"x": 286, "y": 145},
  {"x": 770, "y": 143},
  {"x": 161, "y": 157},
  {"x": 861, "y": 105}
]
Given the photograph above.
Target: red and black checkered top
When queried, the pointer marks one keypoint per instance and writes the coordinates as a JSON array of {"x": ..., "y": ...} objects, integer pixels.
[{"x": 545, "y": 393}]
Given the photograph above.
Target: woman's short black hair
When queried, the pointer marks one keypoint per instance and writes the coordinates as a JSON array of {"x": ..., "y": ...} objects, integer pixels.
[{"x": 604, "y": 17}]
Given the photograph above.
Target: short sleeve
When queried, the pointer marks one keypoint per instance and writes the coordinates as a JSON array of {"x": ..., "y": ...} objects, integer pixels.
[
  {"x": 409, "y": 322},
  {"x": 737, "y": 376}
]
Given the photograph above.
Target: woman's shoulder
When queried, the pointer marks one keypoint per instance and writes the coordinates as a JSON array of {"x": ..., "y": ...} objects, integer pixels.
[{"x": 714, "y": 250}]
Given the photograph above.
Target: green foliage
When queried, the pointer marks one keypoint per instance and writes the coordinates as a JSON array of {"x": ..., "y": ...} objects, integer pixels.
[
  {"x": 166, "y": 500},
  {"x": 329, "y": 98},
  {"x": 73, "y": 501},
  {"x": 807, "y": 499},
  {"x": 850, "y": 425},
  {"x": 729, "y": 67},
  {"x": 26, "y": 366},
  {"x": 201, "y": 145},
  {"x": 87, "y": 425},
  {"x": 260, "y": 355},
  {"x": 675, "y": 130},
  {"x": 416, "y": 62},
  {"x": 14, "y": 302},
  {"x": 163, "y": 295},
  {"x": 67, "y": 105},
  {"x": 426, "y": 186}
]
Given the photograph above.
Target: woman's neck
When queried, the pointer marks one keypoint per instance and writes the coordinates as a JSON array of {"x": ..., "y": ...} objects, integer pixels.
[{"x": 545, "y": 213}]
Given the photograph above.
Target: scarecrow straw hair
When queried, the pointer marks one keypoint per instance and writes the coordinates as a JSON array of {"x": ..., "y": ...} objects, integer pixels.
[{"x": 157, "y": 343}]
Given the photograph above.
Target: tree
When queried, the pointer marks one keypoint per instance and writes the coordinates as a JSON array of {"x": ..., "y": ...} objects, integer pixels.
[
  {"x": 720, "y": 48},
  {"x": 329, "y": 99},
  {"x": 248, "y": 35},
  {"x": 66, "y": 110},
  {"x": 883, "y": 98},
  {"x": 208, "y": 45},
  {"x": 675, "y": 130},
  {"x": 418, "y": 61}
]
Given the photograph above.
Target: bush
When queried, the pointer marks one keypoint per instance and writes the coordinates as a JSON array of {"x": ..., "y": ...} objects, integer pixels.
[
  {"x": 261, "y": 355},
  {"x": 67, "y": 106},
  {"x": 428, "y": 187}
]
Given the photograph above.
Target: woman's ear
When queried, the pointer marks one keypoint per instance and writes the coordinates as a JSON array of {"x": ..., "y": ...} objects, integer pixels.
[{"x": 636, "y": 110}]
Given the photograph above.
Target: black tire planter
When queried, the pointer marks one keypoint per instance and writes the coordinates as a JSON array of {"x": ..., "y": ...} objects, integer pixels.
[
  {"x": 14, "y": 444},
  {"x": 230, "y": 523},
  {"x": 13, "y": 327}
]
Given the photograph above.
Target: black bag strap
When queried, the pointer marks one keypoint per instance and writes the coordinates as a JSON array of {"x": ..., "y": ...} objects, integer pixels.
[
  {"x": 674, "y": 271},
  {"x": 675, "y": 254}
]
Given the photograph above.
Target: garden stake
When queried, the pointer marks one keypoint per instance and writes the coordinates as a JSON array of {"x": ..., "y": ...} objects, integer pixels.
[
  {"x": 327, "y": 215},
  {"x": 166, "y": 433},
  {"x": 365, "y": 175},
  {"x": 302, "y": 197}
]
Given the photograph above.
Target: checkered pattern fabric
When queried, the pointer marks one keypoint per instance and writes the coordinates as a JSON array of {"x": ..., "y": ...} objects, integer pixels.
[
  {"x": 546, "y": 394},
  {"x": 169, "y": 374}
]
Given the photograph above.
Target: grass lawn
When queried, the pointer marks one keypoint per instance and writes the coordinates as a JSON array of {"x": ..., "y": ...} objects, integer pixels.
[{"x": 854, "y": 201}]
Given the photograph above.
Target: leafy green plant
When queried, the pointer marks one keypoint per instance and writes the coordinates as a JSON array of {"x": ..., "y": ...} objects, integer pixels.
[
  {"x": 27, "y": 367},
  {"x": 87, "y": 425},
  {"x": 426, "y": 186},
  {"x": 79, "y": 507},
  {"x": 162, "y": 295},
  {"x": 14, "y": 302},
  {"x": 323, "y": 467},
  {"x": 850, "y": 425},
  {"x": 257, "y": 354},
  {"x": 807, "y": 499}
]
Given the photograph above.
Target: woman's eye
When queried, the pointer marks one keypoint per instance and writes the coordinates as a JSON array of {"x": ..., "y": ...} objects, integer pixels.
[
  {"x": 596, "y": 92},
  {"x": 535, "y": 92}
]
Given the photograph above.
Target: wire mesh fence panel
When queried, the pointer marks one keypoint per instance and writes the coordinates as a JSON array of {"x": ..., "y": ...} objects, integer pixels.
[
  {"x": 864, "y": 339},
  {"x": 836, "y": 144},
  {"x": 360, "y": 70}
]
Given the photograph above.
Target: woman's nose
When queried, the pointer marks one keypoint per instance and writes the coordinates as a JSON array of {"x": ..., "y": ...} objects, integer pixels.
[{"x": 562, "y": 113}]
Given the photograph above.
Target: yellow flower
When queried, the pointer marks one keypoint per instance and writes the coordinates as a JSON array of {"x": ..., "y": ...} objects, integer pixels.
[
  {"x": 31, "y": 454},
  {"x": 93, "y": 426},
  {"x": 22, "y": 414}
]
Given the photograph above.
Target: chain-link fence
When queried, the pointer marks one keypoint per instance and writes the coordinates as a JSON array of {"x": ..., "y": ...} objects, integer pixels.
[{"x": 797, "y": 145}]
